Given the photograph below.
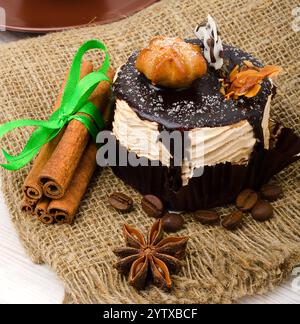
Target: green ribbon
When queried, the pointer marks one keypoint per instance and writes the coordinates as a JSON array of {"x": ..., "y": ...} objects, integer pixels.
[{"x": 74, "y": 100}]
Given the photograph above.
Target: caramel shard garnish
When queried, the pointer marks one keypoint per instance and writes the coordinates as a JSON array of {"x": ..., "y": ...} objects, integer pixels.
[
  {"x": 234, "y": 73},
  {"x": 254, "y": 91},
  {"x": 246, "y": 80},
  {"x": 249, "y": 64}
]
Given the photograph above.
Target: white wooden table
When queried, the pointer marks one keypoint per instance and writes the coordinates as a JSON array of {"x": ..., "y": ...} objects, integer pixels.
[{"x": 23, "y": 282}]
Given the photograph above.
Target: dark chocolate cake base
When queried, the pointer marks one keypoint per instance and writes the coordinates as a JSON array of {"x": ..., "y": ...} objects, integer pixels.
[{"x": 219, "y": 185}]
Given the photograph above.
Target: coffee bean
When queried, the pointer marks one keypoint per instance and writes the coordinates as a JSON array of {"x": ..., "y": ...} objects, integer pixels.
[
  {"x": 172, "y": 222},
  {"x": 207, "y": 217},
  {"x": 120, "y": 202},
  {"x": 262, "y": 211},
  {"x": 152, "y": 206},
  {"x": 271, "y": 192},
  {"x": 246, "y": 200},
  {"x": 233, "y": 221}
]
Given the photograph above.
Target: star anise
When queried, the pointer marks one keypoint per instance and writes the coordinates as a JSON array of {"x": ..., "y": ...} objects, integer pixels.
[{"x": 155, "y": 257}]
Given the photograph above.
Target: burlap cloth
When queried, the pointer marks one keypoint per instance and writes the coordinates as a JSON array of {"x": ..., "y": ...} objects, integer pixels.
[{"x": 221, "y": 266}]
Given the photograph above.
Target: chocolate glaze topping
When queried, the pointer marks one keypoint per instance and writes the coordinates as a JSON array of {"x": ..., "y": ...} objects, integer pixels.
[{"x": 201, "y": 105}]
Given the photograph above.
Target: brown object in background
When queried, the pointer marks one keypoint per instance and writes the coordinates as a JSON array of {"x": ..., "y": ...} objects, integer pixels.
[
  {"x": 58, "y": 172},
  {"x": 53, "y": 15},
  {"x": 28, "y": 205},
  {"x": 31, "y": 188},
  {"x": 65, "y": 208}
]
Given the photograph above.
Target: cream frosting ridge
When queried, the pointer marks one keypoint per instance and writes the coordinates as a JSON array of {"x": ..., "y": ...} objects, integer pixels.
[{"x": 207, "y": 146}]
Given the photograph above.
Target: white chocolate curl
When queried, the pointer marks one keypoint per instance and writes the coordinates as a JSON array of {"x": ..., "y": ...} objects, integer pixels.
[{"x": 213, "y": 47}]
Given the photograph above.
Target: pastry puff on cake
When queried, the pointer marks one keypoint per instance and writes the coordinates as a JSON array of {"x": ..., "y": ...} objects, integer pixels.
[{"x": 171, "y": 62}]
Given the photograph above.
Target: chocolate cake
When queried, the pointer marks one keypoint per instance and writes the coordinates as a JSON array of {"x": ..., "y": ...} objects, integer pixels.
[{"x": 225, "y": 130}]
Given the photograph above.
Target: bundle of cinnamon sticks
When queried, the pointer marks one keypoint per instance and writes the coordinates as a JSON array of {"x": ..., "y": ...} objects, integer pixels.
[{"x": 64, "y": 167}]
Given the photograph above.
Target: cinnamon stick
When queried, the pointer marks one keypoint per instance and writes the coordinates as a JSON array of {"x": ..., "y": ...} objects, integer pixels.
[
  {"x": 64, "y": 209},
  {"x": 41, "y": 211},
  {"x": 59, "y": 170},
  {"x": 32, "y": 188},
  {"x": 42, "y": 206},
  {"x": 46, "y": 219},
  {"x": 28, "y": 205}
]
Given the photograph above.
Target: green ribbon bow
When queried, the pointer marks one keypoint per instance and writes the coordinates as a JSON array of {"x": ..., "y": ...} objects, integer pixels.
[{"x": 74, "y": 100}]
